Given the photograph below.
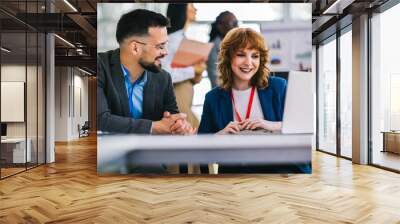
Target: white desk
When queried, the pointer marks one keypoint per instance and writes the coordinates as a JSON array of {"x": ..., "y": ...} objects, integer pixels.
[
  {"x": 117, "y": 151},
  {"x": 18, "y": 149}
]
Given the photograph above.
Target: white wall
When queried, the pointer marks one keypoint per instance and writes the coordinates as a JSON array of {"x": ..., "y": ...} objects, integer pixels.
[
  {"x": 61, "y": 103},
  {"x": 12, "y": 73},
  {"x": 71, "y": 94},
  {"x": 80, "y": 110},
  {"x": 33, "y": 126}
]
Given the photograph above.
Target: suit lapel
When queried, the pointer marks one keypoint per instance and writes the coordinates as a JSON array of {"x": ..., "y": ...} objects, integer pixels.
[
  {"x": 226, "y": 108},
  {"x": 119, "y": 82},
  {"x": 265, "y": 97}
]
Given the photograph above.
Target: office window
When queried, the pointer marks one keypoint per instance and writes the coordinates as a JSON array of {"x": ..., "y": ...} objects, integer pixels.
[
  {"x": 327, "y": 96},
  {"x": 385, "y": 84},
  {"x": 346, "y": 94}
]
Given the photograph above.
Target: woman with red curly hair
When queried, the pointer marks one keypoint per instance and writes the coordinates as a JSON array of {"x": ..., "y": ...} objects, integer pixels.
[{"x": 247, "y": 98}]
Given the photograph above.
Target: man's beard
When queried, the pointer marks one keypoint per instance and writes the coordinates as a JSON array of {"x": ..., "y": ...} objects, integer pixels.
[{"x": 150, "y": 66}]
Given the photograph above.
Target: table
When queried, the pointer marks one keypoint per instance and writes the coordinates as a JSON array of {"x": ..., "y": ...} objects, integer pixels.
[
  {"x": 391, "y": 141},
  {"x": 114, "y": 152}
]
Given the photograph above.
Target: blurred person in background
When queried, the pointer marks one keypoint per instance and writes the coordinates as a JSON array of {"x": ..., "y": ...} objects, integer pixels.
[
  {"x": 224, "y": 22},
  {"x": 181, "y": 16}
]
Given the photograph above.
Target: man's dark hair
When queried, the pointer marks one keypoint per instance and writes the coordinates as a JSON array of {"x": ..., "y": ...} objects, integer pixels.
[{"x": 138, "y": 22}]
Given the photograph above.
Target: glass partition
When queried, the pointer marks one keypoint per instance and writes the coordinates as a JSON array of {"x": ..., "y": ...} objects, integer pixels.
[
  {"x": 31, "y": 97},
  {"x": 14, "y": 144},
  {"x": 346, "y": 94},
  {"x": 327, "y": 96},
  {"x": 41, "y": 96},
  {"x": 22, "y": 89}
]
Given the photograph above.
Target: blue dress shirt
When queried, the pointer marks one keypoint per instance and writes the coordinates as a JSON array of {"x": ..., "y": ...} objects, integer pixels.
[{"x": 135, "y": 93}]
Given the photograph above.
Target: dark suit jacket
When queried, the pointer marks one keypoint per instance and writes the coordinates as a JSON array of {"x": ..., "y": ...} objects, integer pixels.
[
  {"x": 112, "y": 100},
  {"x": 218, "y": 112}
]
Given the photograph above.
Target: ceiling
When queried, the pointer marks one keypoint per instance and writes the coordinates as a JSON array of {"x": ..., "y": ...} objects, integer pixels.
[{"x": 76, "y": 23}]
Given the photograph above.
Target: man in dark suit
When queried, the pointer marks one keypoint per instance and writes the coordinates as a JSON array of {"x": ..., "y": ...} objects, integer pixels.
[{"x": 134, "y": 95}]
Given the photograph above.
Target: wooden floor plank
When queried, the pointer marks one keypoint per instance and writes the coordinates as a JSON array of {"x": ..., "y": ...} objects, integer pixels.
[{"x": 70, "y": 191}]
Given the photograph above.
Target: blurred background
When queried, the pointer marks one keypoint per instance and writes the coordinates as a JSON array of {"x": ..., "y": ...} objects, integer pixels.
[{"x": 285, "y": 26}]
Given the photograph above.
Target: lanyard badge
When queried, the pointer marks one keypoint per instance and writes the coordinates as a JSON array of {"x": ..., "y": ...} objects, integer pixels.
[{"x": 250, "y": 103}]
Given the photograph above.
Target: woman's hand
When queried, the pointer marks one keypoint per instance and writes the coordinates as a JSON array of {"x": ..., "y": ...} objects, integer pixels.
[
  {"x": 260, "y": 124},
  {"x": 231, "y": 128}
]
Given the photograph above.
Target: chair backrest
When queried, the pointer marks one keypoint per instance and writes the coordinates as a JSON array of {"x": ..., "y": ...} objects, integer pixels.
[{"x": 86, "y": 125}]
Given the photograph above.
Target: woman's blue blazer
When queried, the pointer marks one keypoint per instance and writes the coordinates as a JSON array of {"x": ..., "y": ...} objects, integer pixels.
[{"x": 218, "y": 110}]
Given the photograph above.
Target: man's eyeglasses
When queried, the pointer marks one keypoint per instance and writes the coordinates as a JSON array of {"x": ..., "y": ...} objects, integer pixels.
[{"x": 161, "y": 47}]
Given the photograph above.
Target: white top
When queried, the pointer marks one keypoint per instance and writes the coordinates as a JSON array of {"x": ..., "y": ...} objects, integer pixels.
[
  {"x": 242, "y": 100},
  {"x": 177, "y": 74}
]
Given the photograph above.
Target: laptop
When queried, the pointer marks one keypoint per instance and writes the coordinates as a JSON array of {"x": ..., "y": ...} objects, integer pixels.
[{"x": 298, "y": 116}]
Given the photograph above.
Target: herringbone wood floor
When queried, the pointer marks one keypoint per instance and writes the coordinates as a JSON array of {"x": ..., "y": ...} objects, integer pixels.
[{"x": 70, "y": 191}]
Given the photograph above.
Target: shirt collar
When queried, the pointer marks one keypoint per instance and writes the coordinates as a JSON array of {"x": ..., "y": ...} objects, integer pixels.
[{"x": 140, "y": 81}]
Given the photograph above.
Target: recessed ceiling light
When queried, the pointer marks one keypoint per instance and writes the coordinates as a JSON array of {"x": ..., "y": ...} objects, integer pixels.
[
  {"x": 5, "y": 50},
  {"x": 70, "y": 5},
  {"x": 337, "y": 7},
  {"x": 84, "y": 71},
  {"x": 64, "y": 40}
]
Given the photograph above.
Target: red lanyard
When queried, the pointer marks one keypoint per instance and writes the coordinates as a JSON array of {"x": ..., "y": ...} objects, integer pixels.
[{"x": 248, "y": 105}]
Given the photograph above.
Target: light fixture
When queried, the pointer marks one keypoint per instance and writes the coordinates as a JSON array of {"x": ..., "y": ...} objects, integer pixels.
[
  {"x": 65, "y": 41},
  {"x": 5, "y": 50},
  {"x": 337, "y": 7},
  {"x": 80, "y": 51},
  {"x": 84, "y": 71},
  {"x": 70, "y": 5}
]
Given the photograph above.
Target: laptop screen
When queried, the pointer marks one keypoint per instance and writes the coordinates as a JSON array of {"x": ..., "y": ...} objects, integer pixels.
[{"x": 298, "y": 116}]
